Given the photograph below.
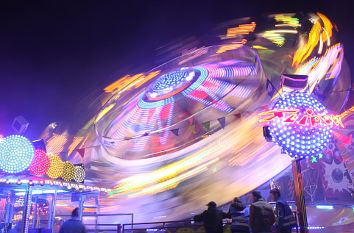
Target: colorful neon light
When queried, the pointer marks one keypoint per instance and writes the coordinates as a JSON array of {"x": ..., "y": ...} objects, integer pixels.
[
  {"x": 40, "y": 163},
  {"x": 300, "y": 125},
  {"x": 308, "y": 119},
  {"x": 16, "y": 154},
  {"x": 153, "y": 110}
]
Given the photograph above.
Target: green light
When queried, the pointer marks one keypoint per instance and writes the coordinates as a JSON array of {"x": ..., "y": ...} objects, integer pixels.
[{"x": 314, "y": 159}]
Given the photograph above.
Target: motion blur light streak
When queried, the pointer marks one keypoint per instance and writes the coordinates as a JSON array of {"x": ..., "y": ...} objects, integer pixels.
[
  {"x": 325, "y": 207},
  {"x": 104, "y": 112},
  {"x": 75, "y": 142},
  {"x": 316, "y": 33},
  {"x": 277, "y": 36},
  {"x": 151, "y": 113},
  {"x": 229, "y": 47},
  {"x": 328, "y": 66},
  {"x": 157, "y": 140},
  {"x": 287, "y": 20},
  {"x": 242, "y": 29},
  {"x": 127, "y": 82},
  {"x": 327, "y": 29}
]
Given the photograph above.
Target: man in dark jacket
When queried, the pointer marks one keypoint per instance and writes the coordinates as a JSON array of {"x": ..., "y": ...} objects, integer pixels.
[
  {"x": 261, "y": 214},
  {"x": 212, "y": 219},
  {"x": 285, "y": 219},
  {"x": 73, "y": 225},
  {"x": 239, "y": 217}
]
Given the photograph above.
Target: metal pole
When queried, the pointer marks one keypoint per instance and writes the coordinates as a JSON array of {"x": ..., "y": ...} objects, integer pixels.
[
  {"x": 97, "y": 213},
  {"x": 27, "y": 210},
  {"x": 300, "y": 196},
  {"x": 81, "y": 206},
  {"x": 52, "y": 216},
  {"x": 34, "y": 220},
  {"x": 9, "y": 211}
]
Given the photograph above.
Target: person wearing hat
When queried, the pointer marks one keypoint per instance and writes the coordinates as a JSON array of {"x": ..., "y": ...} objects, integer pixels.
[
  {"x": 285, "y": 219},
  {"x": 239, "y": 217},
  {"x": 261, "y": 214},
  {"x": 212, "y": 218}
]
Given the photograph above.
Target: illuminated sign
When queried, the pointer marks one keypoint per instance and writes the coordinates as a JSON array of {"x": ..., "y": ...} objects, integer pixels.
[{"x": 294, "y": 116}]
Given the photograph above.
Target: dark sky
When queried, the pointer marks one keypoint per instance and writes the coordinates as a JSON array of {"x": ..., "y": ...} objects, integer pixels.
[{"x": 55, "y": 56}]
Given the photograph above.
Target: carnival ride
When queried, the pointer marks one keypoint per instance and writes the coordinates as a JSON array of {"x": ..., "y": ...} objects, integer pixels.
[
  {"x": 187, "y": 131},
  {"x": 167, "y": 141}
]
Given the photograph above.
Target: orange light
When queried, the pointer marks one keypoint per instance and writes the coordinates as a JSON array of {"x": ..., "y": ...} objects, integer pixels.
[
  {"x": 242, "y": 29},
  {"x": 148, "y": 77},
  {"x": 327, "y": 29},
  {"x": 229, "y": 47},
  {"x": 126, "y": 82},
  {"x": 56, "y": 143},
  {"x": 305, "y": 50}
]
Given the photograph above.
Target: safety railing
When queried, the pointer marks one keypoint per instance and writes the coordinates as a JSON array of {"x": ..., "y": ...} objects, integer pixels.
[{"x": 170, "y": 226}]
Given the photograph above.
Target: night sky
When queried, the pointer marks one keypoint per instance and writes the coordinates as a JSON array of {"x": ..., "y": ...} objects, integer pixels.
[{"x": 57, "y": 56}]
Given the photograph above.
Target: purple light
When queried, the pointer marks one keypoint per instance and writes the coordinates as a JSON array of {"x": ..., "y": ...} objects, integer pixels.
[{"x": 300, "y": 140}]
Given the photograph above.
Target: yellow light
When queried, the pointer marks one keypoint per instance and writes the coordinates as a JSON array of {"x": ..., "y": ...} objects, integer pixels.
[
  {"x": 304, "y": 51},
  {"x": 288, "y": 20},
  {"x": 68, "y": 171},
  {"x": 127, "y": 82},
  {"x": 147, "y": 78},
  {"x": 259, "y": 47},
  {"x": 327, "y": 29},
  {"x": 74, "y": 144},
  {"x": 277, "y": 36},
  {"x": 56, "y": 166},
  {"x": 347, "y": 112},
  {"x": 104, "y": 112}
]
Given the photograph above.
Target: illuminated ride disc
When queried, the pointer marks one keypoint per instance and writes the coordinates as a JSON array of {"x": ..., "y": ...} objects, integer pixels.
[
  {"x": 164, "y": 154},
  {"x": 16, "y": 154},
  {"x": 140, "y": 125},
  {"x": 301, "y": 130}
]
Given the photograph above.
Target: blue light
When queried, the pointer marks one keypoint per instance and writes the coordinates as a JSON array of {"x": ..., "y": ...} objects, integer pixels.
[
  {"x": 16, "y": 154},
  {"x": 325, "y": 207},
  {"x": 170, "y": 80},
  {"x": 301, "y": 140}
]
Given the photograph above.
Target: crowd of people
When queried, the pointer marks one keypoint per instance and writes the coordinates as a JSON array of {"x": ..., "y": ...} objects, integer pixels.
[{"x": 259, "y": 217}]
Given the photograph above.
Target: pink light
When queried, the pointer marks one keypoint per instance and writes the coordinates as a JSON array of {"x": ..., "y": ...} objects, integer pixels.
[
  {"x": 40, "y": 163},
  {"x": 309, "y": 119}
]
